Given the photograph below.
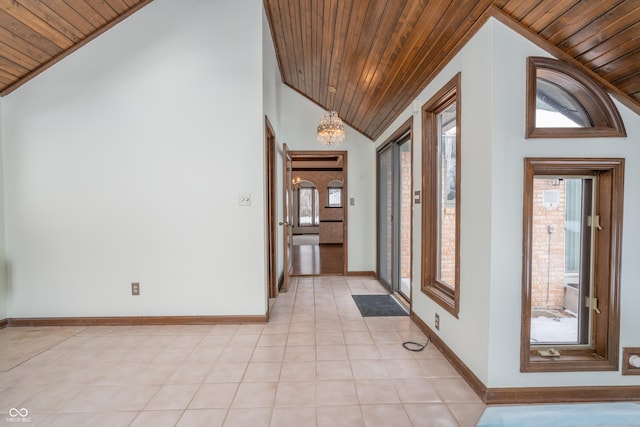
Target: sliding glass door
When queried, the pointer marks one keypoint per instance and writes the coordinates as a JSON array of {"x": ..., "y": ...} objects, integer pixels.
[{"x": 395, "y": 215}]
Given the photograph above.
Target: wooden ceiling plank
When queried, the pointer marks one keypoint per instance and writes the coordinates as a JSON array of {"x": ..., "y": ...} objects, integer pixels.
[
  {"x": 425, "y": 62},
  {"x": 545, "y": 13},
  {"x": 613, "y": 48},
  {"x": 337, "y": 41},
  {"x": 431, "y": 16},
  {"x": 17, "y": 57},
  {"x": 630, "y": 83},
  {"x": 393, "y": 38},
  {"x": 29, "y": 35},
  {"x": 623, "y": 66},
  {"x": 104, "y": 9},
  {"x": 37, "y": 28},
  {"x": 84, "y": 9},
  {"x": 119, "y": 6},
  {"x": 70, "y": 15},
  {"x": 575, "y": 19},
  {"x": 467, "y": 23},
  {"x": 524, "y": 9},
  {"x": 307, "y": 45},
  {"x": 351, "y": 29},
  {"x": 598, "y": 31},
  {"x": 279, "y": 42},
  {"x": 53, "y": 20},
  {"x": 282, "y": 40},
  {"x": 293, "y": 36},
  {"x": 515, "y": 8},
  {"x": 375, "y": 45},
  {"x": 12, "y": 69},
  {"x": 26, "y": 48},
  {"x": 64, "y": 53},
  {"x": 6, "y": 79}
]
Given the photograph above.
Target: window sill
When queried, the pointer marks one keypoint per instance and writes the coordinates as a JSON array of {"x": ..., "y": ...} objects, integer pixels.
[
  {"x": 568, "y": 361},
  {"x": 442, "y": 298}
]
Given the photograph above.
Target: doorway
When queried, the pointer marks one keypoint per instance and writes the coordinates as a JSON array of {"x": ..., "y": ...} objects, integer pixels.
[
  {"x": 395, "y": 212},
  {"x": 319, "y": 220}
]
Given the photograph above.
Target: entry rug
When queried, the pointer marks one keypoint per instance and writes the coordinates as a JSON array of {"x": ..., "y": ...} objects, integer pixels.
[
  {"x": 379, "y": 306},
  {"x": 617, "y": 414}
]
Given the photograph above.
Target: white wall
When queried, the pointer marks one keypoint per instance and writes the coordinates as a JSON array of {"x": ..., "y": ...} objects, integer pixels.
[
  {"x": 509, "y": 149},
  {"x": 486, "y": 336},
  {"x": 125, "y": 161},
  {"x": 300, "y": 120}
]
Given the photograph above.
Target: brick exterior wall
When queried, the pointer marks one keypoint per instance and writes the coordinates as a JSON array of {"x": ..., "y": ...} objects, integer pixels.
[{"x": 548, "y": 273}]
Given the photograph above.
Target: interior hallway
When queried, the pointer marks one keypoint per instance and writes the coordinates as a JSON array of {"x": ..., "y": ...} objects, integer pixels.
[{"x": 316, "y": 363}]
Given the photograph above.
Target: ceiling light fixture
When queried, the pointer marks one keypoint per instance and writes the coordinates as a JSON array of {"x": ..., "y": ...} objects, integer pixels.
[{"x": 331, "y": 128}]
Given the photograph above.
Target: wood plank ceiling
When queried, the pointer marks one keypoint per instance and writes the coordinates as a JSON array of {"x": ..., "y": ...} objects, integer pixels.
[
  {"x": 35, "y": 34},
  {"x": 377, "y": 54},
  {"x": 380, "y": 54}
]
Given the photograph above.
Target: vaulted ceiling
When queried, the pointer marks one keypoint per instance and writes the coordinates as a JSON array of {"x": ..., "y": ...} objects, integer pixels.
[{"x": 377, "y": 54}]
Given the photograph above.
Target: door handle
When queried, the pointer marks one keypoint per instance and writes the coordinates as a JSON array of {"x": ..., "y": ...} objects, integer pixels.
[{"x": 284, "y": 223}]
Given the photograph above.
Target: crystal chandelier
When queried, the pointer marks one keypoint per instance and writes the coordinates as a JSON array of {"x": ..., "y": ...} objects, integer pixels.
[{"x": 331, "y": 129}]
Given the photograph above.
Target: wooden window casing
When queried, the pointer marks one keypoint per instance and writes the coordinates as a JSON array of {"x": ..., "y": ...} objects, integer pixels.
[
  {"x": 446, "y": 295},
  {"x": 602, "y": 112},
  {"x": 603, "y": 353}
]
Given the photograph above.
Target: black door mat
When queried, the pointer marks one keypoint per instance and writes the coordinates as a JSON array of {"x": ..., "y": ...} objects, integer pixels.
[{"x": 379, "y": 306}]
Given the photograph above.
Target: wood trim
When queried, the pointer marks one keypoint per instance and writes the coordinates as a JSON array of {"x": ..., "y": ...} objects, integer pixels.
[
  {"x": 627, "y": 369},
  {"x": 362, "y": 273},
  {"x": 74, "y": 48},
  {"x": 607, "y": 121},
  {"x": 4, "y": 323},
  {"x": 527, "y": 395},
  {"x": 516, "y": 26},
  {"x": 135, "y": 320},
  {"x": 467, "y": 374},
  {"x": 442, "y": 294},
  {"x": 605, "y": 354},
  {"x": 271, "y": 199}
]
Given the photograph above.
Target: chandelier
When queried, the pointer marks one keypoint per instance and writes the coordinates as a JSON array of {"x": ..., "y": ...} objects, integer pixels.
[{"x": 331, "y": 129}]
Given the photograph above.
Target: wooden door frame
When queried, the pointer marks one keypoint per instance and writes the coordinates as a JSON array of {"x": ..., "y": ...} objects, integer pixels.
[
  {"x": 271, "y": 212},
  {"x": 345, "y": 192}
]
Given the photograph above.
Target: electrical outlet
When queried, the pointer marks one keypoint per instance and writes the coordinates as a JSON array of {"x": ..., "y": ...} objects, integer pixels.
[
  {"x": 437, "y": 321},
  {"x": 630, "y": 357},
  {"x": 135, "y": 288}
]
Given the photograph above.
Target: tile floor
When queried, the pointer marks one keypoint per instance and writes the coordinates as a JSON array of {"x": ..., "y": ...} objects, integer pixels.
[{"x": 316, "y": 363}]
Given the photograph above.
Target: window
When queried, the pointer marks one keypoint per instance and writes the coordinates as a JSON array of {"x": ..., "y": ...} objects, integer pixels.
[
  {"x": 441, "y": 210},
  {"x": 334, "y": 198},
  {"x": 308, "y": 207},
  {"x": 562, "y": 102},
  {"x": 571, "y": 266}
]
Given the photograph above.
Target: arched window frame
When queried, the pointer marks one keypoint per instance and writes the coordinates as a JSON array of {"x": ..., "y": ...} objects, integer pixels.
[{"x": 606, "y": 120}]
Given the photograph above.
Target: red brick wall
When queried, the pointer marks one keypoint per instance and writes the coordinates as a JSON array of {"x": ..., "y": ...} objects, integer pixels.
[{"x": 547, "y": 275}]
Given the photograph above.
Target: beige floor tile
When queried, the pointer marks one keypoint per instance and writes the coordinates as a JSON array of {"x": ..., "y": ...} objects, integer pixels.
[
  {"x": 296, "y": 393},
  {"x": 305, "y": 353},
  {"x": 192, "y": 373},
  {"x": 333, "y": 370},
  {"x": 340, "y": 416},
  {"x": 272, "y": 340},
  {"x": 173, "y": 396},
  {"x": 111, "y": 419},
  {"x": 436, "y": 413},
  {"x": 91, "y": 399},
  {"x": 215, "y": 395},
  {"x": 268, "y": 354},
  {"x": 376, "y": 392},
  {"x": 245, "y": 417},
  {"x": 202, "y": 418},
  {"x": 156, "y": 419},
  {"x": 302, "y": 338},
  {"x": 404, "y": 368},
  {"x": 363, "y": 351},
  {"x": 394, "y": 351},
  {"x": 369, "y": 369},
  {"x": 224, "y": 372},
  {"x": 413, "y": 390},
  {"x": 329, "y": 338},
  {"x": 358, "y": 337},
  {"x": 298, "y": 371},
  {"x": 242, "y": 340},
  {"x": 250, "y": 329},
  {"x": 467, "y": 414},
  {"x": 131, "y": 397},
  {"x": 262, "y": 372},
  {"x": 288, "y": 417},
  {"x": 385, "y": 416},
  {"x": 334, "y": 393},
  {"x": 454, "y": 390},
  {"x": 437, "y": 368},
  {"x": 332, "y": 352},
  {"x": 59, "y": 419},
  {"x": 255, "y": 395}
]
